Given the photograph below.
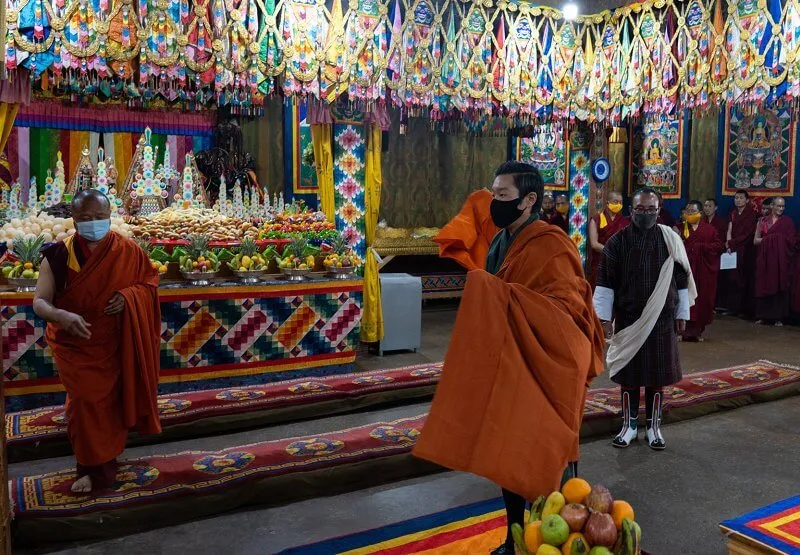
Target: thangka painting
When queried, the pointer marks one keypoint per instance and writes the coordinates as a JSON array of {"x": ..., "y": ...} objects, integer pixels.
[
  {"x": 297, "y": 135},
  {"x": 656, "y": 156},
  {"x": 759, "y": 153},
  {"x": 548, "y": 150}
]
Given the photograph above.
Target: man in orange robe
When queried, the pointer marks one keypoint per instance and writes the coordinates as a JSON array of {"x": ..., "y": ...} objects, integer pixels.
[
  {"x": 466, "y": 238},
  {"x": 99, "y": 294},
  {"x": 525, "y": 346}
]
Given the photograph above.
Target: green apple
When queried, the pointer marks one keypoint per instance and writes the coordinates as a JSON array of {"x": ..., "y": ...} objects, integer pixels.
[
  {"x": 600, "y": 550},
  {"x": 555, "y": 530}
]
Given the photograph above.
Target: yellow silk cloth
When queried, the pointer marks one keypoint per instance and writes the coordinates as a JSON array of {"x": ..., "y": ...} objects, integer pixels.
[
  {"x": 372, "y": 315},
  {"x": 321, "y": 137}
]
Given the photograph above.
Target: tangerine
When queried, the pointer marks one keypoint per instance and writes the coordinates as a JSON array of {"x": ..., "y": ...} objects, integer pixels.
[
  {"x": 621, "y": 510},
  {"x": 576, "y": 490},
  {"x": 533, "y": 536}
]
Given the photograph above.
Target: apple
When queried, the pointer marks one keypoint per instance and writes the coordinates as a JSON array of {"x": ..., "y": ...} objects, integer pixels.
[
  {"x": 555, "y": 530},
  {"x": 601, "y": 530},
  {"x": 576, "y": 516},
  {"x": 600, "y": 550},
  {"x": 599, "y": 499}
]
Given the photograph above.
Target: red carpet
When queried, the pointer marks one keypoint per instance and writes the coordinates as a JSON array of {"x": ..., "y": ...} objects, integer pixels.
[{"x": 166, "y": 489}]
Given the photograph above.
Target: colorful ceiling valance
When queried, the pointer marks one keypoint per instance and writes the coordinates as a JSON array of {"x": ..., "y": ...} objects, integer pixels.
[{"x": 432, "y": 57}]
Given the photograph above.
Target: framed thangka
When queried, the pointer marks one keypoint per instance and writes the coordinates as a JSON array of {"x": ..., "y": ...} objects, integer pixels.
[
  {"x": 656, "y": 156},
  {"x": 759, "y": 152},
  {"x": 548, "y": 150},
  {"x": 297, "y": 142}
]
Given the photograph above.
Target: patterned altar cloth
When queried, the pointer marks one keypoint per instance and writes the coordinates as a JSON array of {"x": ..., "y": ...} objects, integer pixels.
[
  {"x": 221, "y": 336},
  {"x": 775, "y": 526}
]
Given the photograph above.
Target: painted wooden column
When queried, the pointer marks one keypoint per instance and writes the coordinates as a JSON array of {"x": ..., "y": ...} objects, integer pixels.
[{"x": 580, "y": 187}]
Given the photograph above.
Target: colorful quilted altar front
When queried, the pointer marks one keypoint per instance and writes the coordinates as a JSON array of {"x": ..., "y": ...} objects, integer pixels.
[
  {"x": 776, "y": 526},
  {"x": 210, "y": 337}
]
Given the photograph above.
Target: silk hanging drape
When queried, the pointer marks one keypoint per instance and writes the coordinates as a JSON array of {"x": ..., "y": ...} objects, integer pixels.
[
  {"x": 372, "y": 314},
  {"x": 321, "y": 137}
]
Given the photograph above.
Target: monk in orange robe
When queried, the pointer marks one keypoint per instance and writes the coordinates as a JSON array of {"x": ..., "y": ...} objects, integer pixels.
[
  {"x": 466, "y": 238},
  {"x": 99, "y": 294},
  {"x": 602, "y": 227},
  {"x": 525, "y": 346}
]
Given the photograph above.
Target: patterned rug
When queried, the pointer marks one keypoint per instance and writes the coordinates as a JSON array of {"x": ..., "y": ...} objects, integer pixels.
[
  {"x": 475, "y": 528},
  {"x": 776, "y": 527},
  {"x": 49, "y": 423},
  {"x": 165, "y": 489}
]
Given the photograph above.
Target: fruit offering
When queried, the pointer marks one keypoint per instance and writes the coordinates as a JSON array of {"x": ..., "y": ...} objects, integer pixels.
[
  {"x": 200, "y": 259},
  {"x": 159, "y": 263},
  {"x": 306, "y": 223},
  {"x": 341, "y": 256},
  {"x": 50, "y": 227},
  {"x": 581, "y": 519},
  {"x": 297, "y": 256},
  {"x": 248, "y": 259},
  {"x": 28, "y": 254},
  {"x": 176, "y": 224}
]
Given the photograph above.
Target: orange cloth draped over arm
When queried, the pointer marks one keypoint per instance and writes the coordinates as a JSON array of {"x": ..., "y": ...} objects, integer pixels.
[
  {"x": 112, "y": 378},
  {"x": 525, "y": 347},
  {"x": 467, "y": 237}
]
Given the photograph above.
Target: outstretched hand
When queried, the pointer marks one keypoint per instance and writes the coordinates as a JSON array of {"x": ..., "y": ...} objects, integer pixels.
[{"x": 115, "y": 305}]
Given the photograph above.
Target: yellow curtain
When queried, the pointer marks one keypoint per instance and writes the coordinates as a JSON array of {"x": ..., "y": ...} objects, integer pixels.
[
  {"x": 8, "y": 113},
  {"x": 321, "y": 138},
  {"x": 372, "y": 314}
]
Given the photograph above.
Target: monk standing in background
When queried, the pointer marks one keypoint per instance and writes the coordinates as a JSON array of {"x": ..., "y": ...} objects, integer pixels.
[
  {"x": 703, "y": 248},
  {"x": 99, "y": 294},
  {"x": 602, "y": 227},
  {"x": 548, "y": 208},
  {"x": 562, "y": 213},
  {"x": 525, "y": 346},
  {"x": 466, "y": 238},
  {"x": 711, "y": 216},
  {"x": 736, "y": 295},
  {"x": 664, "y": 215},
  {"x": 775, "y": 238}
]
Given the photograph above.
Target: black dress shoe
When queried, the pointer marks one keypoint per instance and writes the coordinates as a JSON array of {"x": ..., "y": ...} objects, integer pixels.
[{"x": 504, "y": 549}]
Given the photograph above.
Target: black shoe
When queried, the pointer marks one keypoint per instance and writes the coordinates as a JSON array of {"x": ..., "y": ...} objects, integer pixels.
[{"x": 504, "y": 549}]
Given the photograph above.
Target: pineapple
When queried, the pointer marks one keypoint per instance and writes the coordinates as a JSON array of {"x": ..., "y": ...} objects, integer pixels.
[
  {"x": 200, "y": 258},
  {"x": 341, "y": 256},
  {"x": 340, "y": 246},
  {"x": 248, "y": 259},
  {"x": 28, "y": 251},
  {"x": 294, "y": 257}
]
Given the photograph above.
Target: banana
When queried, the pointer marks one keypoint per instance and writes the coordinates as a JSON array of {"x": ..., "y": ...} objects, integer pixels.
[
  {"x": 628, "y": 542},
  {"x": 519, "y": 538},
  {"x": 536, "y": 509},
  {"x": 636, "y": 533}
]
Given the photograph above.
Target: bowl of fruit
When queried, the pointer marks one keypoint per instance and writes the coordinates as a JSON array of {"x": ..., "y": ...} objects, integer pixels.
[
  {"x": 200, "y": 265},
  {"x": 341, "y": 262},
  {"x": 248, "y": 265},
  {"x": 24, "y": 272},
  {"x": 159, "y": 263},
  {"x": 297, "y": 262}
]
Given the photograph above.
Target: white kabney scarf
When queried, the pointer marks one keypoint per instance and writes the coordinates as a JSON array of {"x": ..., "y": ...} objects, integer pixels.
[{"x": 624, "y": 345}]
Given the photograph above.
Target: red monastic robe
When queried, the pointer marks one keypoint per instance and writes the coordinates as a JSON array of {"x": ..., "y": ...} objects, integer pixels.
[
  {"x": 774, "y": 268},
  {"x": 721, "y": 225},
  {"x": 703, "y": 248},
  {"x": 737, "y": 284},
  {"x": 112, "y": 378},
  {"x": 613, "y": 224}
]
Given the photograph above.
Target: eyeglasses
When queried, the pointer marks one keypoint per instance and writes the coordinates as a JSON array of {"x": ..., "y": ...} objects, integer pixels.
[{"x": 645, "y": 210}]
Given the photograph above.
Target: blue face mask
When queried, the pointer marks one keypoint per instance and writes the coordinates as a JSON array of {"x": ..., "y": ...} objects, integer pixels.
[{"x": 94, "y": 230}]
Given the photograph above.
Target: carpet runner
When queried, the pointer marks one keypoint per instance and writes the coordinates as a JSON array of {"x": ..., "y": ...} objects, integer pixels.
[
  {"x": 771, "y": 529},
  {"x": 164, "y": 490}
]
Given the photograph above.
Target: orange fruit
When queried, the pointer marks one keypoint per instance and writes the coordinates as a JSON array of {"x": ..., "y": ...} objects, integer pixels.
[
  {"x": 566, "y": 549},
  {"x": 533, "y": 536},
  {"x": 575, "y": 490},
  {"x": 621, "y": 510}
]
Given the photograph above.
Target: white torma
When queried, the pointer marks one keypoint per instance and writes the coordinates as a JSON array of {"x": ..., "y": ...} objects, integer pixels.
[{"x": 624, "y": 345}]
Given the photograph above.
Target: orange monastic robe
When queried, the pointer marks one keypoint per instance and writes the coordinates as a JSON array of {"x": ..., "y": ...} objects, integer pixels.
[
  {"x": 467, "y": 237},
  {"x": 525, "y": 346},
  {"x": 112, "y": 378}
]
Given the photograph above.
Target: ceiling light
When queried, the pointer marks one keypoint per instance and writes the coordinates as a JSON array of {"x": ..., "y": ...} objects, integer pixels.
[{"x": 570, "y": 11}]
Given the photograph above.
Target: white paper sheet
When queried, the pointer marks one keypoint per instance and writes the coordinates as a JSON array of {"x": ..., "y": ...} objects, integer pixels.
[{"x": 727, "y": 261}]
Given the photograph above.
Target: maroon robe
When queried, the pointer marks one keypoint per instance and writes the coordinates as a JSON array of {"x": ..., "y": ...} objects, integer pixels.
[
  {"x": 614, "y": 225},
  {"x": 774, "y": 268},
  {"x": 665, "y": 218},
  {"x": 703, "y": 248},
  {"x": 721, "y": 225},
  {"x": 736, "y": 285},
  {"x": 559, "y": 221}
]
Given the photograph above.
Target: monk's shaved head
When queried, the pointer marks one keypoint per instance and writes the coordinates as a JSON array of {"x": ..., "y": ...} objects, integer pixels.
[
  {"x": 90, "y": 197},
  {"x": 614, "y": 196}
]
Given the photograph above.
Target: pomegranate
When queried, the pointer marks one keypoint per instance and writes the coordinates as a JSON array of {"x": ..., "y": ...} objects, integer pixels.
[
  {"x": 600, "y": 530},
  {"x": 599, "y": 500},
  {"x": 576, "y": 516}
]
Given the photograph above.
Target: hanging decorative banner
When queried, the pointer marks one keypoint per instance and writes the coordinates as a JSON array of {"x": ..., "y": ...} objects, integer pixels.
[
  {"x": 759, "y": 153},
  {"x": 548, "y": 150},
  {"x": 656, "y": 156},
  {"x": 579, "y": 169},
  {"x": 349, "y": 163}
]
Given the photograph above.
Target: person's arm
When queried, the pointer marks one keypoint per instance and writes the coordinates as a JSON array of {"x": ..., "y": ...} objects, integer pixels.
[
  {"x": 605, "y": 291},
  {"x": 683, "y": 309},
  {"x": 729, "y": 236},
  {"x": 757, "y": 240},
  {"x": 74, "y": 324},
  {"x": 594, "y": 238}
]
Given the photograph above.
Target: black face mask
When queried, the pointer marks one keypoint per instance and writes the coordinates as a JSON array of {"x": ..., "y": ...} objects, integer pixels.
[
  {"x": 645, "y": 221},
  {"x": 505, "y": 212}
]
